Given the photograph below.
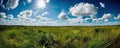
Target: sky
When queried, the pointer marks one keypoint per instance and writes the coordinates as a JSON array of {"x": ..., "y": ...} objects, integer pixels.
[{"x": 60, "y": 12}]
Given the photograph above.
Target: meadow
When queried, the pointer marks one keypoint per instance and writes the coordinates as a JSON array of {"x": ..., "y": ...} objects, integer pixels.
[{"x": 60, "y": 37}]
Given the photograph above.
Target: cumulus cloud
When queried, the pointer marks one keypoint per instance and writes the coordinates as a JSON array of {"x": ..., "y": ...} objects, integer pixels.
[
  {"x": 41, "y": 3},
  {"x": 117, "y": 18},
  {"x": 11, "y": 4},
  {"x": 98, "y": 20},
  {"x": 75, "y": 20},
  {"x": 62, "y": 15},
  {"x": 25, "y": 14},
  {"x": 3, "y": 15},
  {"x": 107, "y": 16},
  {"x": 104, "y": 18},
  {"x": 83, "y": 9},
  {"x": 43, "y": 18},
  {"x": 24, "y": 18},
  {"x": 102, "y": 4},
  {"x": 10, "y": 16}
]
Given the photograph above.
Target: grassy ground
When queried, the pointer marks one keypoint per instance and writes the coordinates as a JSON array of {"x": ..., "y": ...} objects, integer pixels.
[{"x": 59, "y": 37}]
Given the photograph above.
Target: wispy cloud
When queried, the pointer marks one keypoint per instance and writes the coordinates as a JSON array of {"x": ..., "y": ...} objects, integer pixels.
[
  {"x": 102, "y": 4},
  {"x": 117, "y": 18},
  {"x": 29, "y": 1}
]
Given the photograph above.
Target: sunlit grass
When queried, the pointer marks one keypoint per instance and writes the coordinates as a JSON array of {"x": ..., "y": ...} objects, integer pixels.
[{"x": 60, "y": 37}]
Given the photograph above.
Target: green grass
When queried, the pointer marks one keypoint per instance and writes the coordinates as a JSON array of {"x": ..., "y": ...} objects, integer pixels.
[{"x": 60, "y": 37}]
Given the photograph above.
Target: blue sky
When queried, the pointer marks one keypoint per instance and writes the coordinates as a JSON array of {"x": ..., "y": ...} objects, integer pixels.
[{"x": 60, "y": 12}]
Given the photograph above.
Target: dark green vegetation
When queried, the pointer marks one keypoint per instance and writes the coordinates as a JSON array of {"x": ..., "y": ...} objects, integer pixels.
[{"x": 59, "y": 37}]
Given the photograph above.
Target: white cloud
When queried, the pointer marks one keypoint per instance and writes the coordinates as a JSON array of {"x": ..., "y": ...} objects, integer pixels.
[
  {"x": 45, "y": 13},
  {"x": 29, "y": 1},
  {"x": 107, "y": 16},
  {"x": 83, "y": 9},
  {"x": 117, "y": 18},
  {"x": 102, "y": 4},
  {"x": 75, "y": 20},
  {"x": 11, "y": 4},
  {"x": 104, "y": 18},
  {"x": 2, "y": 15},
  {"x": 25, "y": 14},
  {"x": 79, "y": 20},
  {"x": 111, "y": 23},
  {"x": 98, "y": 20},
  {"x": 43, "y": 18},
  {"x": 10, "y": 16},
  {"x": 41, "y": 3},
  {"x": 87, "y": 19},
  {"x": 62, "y": 15},
  {"x": 17, "y": 21}
]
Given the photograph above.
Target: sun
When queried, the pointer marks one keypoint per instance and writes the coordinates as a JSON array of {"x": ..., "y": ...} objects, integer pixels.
[{"x": 41, "y": 3}]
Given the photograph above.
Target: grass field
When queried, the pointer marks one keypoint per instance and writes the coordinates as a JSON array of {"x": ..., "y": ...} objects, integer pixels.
[{"x": 60, "y": 37}]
